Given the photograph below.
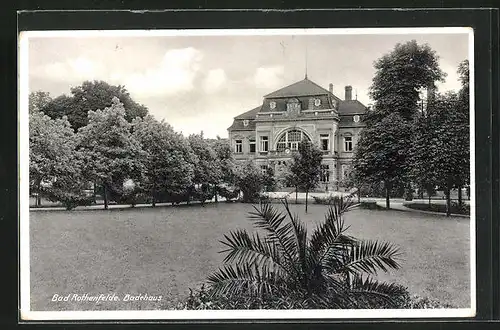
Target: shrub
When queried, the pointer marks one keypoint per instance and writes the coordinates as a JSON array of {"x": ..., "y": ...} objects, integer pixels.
[
  {"x": 201, "y": 195},
  {"x": 70, "y": 193},
  {"x": 203, "y": 299},
  {"x": 228, "y": 194},
  {"x": 250, "y": 181},
  {"x": 417, "y": 302},
  {"x": 441, "y": 208},
  {"x": 370, "y": 206}
]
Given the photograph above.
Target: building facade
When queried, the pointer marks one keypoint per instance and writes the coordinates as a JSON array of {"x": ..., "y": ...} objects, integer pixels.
[{"x": 269, "y": 134}]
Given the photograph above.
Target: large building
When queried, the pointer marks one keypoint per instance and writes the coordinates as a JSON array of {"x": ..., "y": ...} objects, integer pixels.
[{"x": 269, "y": 134}]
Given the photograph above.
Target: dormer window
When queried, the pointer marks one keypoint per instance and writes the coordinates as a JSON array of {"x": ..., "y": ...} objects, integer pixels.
[
  {"x": 272, "y": 105},
  {"x": 293, "y": 105},
  {"x": 317, "y": 102},
  {"x": 245, "y": 122}
]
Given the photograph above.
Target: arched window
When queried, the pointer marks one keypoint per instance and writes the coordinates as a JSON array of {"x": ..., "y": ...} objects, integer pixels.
[{"x": 290, "y": 140}]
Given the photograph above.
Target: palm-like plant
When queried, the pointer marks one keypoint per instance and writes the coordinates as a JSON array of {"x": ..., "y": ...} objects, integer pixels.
[{"x": 287, "y": 269}]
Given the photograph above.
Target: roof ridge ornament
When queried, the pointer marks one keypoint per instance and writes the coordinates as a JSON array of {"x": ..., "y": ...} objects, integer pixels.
[{"x": 306, "y": 61}]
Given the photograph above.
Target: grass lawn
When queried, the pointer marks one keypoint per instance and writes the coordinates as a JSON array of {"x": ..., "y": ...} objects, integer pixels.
[{"x": 164, "y": 251}]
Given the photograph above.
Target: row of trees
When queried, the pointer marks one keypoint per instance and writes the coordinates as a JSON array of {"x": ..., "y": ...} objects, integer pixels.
[
  {"x": 124, "y": 159},
  {"x": 408, "y": 141}
]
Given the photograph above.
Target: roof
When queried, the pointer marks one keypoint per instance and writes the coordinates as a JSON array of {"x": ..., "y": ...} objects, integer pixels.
[
  {"x": 300, "y": 88},
  {"x": 249, "y": 114},
  {"x": 239, "y": 126},
  {"x": 351, "y": 107}
]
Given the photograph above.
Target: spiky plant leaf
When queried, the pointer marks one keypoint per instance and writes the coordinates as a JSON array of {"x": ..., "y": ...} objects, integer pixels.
[
  {"x": 370, "y": 256},
  {"x": 280, "y": 233},
  {"x": 245, "y": 279},
  {"x": 370, "y": 292},
  {"x": 243, "y": 249}
]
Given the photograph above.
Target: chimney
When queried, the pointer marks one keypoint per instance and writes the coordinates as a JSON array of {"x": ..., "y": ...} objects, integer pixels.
[
  {"x": 330, "y": 88},
  {"x": 348, "y": 93}
]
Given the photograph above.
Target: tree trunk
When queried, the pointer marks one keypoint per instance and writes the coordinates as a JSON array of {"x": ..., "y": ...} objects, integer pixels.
[
  {"x": 153, "y": 194},
  {"x": 215, "y": 193},
  {"x": 460, "y": 201},
  {"x": 105, "y": 196},
  {"x": 39, "y": 193},
  {"x": 448, "y": 201},
  {"x": 429, "y": 200},
  {"x": 296, "y": 194},
  {"x": 359, "y": 195},
  {"x": 307, "y": 194},
  {"x": 94, "y": 193},
  {"x": 387, "y": 196}
]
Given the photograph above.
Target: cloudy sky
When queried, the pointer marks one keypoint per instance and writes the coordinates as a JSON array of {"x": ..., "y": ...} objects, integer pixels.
[{"x": 201, "y": 82}]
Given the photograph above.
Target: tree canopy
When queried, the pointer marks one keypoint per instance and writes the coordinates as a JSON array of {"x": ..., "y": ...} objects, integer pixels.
[
  {"x": 207, "y": 168},
  {"x": 382, "y": 151},
  {"x": 399, "y": 77},
  {"x": 91, "y": 96},
  {"x": 112, "y": 153},
  {"x": 169, "y": 160},
  {"x": 38, "y": 100}
]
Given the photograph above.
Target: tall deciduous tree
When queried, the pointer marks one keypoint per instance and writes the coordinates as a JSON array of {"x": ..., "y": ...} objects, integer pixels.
[
  {"x": 207, "y": 169},
  {"x": 400, "y": 76},
  {"x": 112, "y": 153},
  {"x": 91, "y": 96},
  {"x": 225, "y": 161},
  {"x": 51, "y": 144},
  {"x": 463, "y": 122},
  {"x": 306, "y": 166},
  {"x": 384, "y": 147},
  {"x": 381, "y": 152},
  {"x": 168, "y": 161},
  {"x": 249, "y": 180},
  {"x": 440, "y": 152}
]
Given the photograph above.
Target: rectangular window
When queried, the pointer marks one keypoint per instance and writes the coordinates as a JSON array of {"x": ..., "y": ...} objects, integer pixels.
[
  {"x": 325, "y": 173},
  {"x": 324, "y": 142},
  {"x": 252, "y": 145},
  {"x": 264, "y": 143},
  {"x": 238, "y": 146},
  {"x": 348, "y": 143}
]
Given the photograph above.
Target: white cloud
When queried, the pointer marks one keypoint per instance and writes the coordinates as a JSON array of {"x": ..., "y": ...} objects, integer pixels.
[
  {"x": 71, "y": 70},
  {"x": 215, "y": 80},
  {"x": 268, "y": 77},
  {"x": 175, "y": 73}
]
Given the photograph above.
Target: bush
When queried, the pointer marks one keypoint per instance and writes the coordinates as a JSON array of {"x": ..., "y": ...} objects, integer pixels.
[
  {"x": 69, "y": 194},
  {"x": 250, "y": 180},
  {"x": 201, "y": 195},
  {"x": 228, "y": 194},
  {"x": 370, "y": 206},
  {"x": 440, "y": 208},
  {"x": 203, "y": 299}
]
